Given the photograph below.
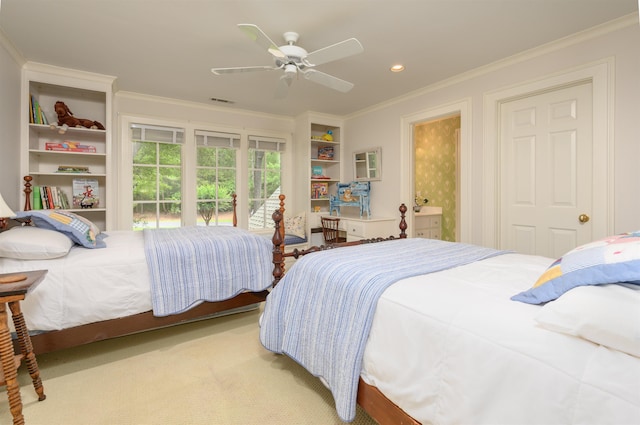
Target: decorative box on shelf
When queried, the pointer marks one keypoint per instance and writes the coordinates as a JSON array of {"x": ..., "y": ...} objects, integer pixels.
[
  {"x": 319, "y": 190},
  {"x": 68, "y": 146},
  {"x": 325, "y": 152}
]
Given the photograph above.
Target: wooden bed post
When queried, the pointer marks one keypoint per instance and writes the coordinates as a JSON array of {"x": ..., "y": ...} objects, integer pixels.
[
  {"x": 27, "y": 192},
  {"x": 281, "y": 197},
  {"x": 234, "y": 202},
  {"x": 277, "y": 243},
  {"x": 403, "y": 222}
]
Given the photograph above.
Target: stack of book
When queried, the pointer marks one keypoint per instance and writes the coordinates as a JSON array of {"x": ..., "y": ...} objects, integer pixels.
[
  {"x": 69, "y": 146},
  {"x": 77, "y": 169},
  {"x": 49, "y": 198},
  {"x": 36, "y": 116}
]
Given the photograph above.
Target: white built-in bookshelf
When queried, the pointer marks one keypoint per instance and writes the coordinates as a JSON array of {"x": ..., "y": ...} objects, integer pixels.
[
  {"x": 310, "y": 131},
  {"x": 54, "y": 156}
]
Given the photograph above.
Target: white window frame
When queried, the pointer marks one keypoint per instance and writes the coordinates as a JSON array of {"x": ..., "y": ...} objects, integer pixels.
[
  {"x": 123, "y": 158},
  {"x": 280, "y": 147}
]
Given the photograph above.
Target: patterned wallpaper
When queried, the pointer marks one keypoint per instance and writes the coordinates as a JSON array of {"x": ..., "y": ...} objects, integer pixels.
[{"x": 435, "y": 168}]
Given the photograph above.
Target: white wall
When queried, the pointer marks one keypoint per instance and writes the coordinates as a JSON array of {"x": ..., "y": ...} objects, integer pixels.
[
  {"x": 10, "y": 179},
  {"x": 382, "y": 125}
]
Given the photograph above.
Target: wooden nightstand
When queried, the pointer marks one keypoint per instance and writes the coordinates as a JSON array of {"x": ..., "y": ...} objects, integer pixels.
[{"x": 12, "y": 292}]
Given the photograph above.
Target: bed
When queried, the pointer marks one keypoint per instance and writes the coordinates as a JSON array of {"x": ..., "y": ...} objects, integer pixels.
[
  {"x": 474, "y": 336},
  {"x": 94, "y": 294}
]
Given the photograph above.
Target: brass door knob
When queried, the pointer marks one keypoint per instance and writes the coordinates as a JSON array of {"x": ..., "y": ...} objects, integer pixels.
[{"x": 583, "y": 218}]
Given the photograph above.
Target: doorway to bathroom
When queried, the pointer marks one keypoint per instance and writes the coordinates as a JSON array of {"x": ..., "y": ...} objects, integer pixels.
[{"x": 436, "y": 145}]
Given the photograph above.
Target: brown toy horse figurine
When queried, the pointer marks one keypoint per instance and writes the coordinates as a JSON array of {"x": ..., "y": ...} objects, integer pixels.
[{"x": 65, "y": 117}]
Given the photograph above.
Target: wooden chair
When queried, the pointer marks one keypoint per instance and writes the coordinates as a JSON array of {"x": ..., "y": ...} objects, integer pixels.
[{"x": 330, "y": 230}]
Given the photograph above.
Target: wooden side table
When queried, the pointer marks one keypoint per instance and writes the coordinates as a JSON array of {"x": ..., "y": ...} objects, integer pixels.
[{"x": 13, "y": 289}]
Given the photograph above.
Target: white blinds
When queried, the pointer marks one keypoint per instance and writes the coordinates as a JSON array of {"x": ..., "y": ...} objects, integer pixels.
[
  {"x": 215, "y": 139},
  {"x": 266, "y": 143},
  {"x": 155, "y": 133}
]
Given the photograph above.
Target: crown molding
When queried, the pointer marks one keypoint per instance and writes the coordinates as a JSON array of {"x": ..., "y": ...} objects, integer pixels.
[
  {"x": 9, "y": 47},
  {"x": 199, "y": 105}
]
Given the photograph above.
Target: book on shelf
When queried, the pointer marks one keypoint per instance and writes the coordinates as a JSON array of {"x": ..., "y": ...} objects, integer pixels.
[
  {"x": 51, "y": 198},
  {"x": 36, "y": 201},
  {"x": 86, "y": 193},
  {"x": 72, "y": 169},
  {"x": 48, "y": 198},
  {"x": 69, "y": 146},
  {"x": 319, "y": 190},
  {"x": 325, "y": 152},
  {"x": 36, "y": 115},
  {"x": 64, "y": 200}
]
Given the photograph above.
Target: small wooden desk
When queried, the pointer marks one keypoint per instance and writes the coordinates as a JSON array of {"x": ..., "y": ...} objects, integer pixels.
[{"x": 12, "y": 293}]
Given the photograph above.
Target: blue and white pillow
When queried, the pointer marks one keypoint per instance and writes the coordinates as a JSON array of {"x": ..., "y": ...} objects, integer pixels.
[
  {"x": 615, "y": 259},
  {"x": 79, "y": 229}
]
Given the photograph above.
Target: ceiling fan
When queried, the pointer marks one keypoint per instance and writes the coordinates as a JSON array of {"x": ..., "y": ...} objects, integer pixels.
[{"x": 294, "y": 60}]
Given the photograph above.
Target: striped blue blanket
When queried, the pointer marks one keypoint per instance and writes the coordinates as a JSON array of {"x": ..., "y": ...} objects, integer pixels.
[
  {"x": 189, "y": 265},
  {"x": 320, "y": 313}
]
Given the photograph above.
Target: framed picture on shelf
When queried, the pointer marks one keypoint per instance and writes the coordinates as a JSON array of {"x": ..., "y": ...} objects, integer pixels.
[
  {"x": 86, "y": 193},
  {"x": 316, "y": 171}
]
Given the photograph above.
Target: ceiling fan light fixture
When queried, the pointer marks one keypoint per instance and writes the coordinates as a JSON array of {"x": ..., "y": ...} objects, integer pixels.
[
  {"x": 397, "y": 68},
  {"x": 290, "y": 70}
]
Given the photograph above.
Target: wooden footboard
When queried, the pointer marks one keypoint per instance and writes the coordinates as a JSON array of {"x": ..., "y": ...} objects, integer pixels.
[{"x": 278, "y": 241}]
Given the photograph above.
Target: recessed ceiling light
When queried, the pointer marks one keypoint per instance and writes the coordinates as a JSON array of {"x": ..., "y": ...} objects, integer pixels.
[{"x": 397, "y": 68}]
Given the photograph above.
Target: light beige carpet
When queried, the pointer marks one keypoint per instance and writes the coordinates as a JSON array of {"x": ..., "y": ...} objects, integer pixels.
[{"x": 209, "y": 372}]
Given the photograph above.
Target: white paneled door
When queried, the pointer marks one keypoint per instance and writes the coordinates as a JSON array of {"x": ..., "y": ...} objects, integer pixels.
[{"x": 546, "y": 171}]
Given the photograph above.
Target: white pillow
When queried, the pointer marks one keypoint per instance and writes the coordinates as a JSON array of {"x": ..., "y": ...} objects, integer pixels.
[
  {"x": 296, "y": 226},
  {"x": 33, "y": 243},
  {"x": 607, "y": 315}
]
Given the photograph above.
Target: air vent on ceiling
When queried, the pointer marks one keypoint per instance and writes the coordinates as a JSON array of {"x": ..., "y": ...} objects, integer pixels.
[{"x": 215, "y": 99}]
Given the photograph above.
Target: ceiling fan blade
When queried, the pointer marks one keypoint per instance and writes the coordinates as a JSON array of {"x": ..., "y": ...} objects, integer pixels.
[
  {"x": 327, "y": 80},
  {"x": 334, "y": 52},
  {"x": 283, "y": 86},
  {"x": 262, "y": 39},
  {"x": 220, "y": 71}
]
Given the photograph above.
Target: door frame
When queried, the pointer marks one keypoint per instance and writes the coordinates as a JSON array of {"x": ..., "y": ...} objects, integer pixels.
[
  {"x": 407, "y": 156},
  {"x": 601, "y": 76}
]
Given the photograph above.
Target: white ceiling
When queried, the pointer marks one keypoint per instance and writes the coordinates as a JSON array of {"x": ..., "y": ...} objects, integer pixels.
[{"x": 167, "y": 48}]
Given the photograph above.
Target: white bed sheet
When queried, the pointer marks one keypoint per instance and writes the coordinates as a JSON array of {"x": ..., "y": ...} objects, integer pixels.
[
  {"x": 87, "y": 285},
  {"x": 476, "y": 357}
]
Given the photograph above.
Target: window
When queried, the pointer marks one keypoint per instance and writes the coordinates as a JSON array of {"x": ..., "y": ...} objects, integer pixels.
[
  {"x": 157, "y": 179},
  {"x": 215, "y": 176},
  {"x": 183, "y": 174},
  {"x": 265, "y": 158}
]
